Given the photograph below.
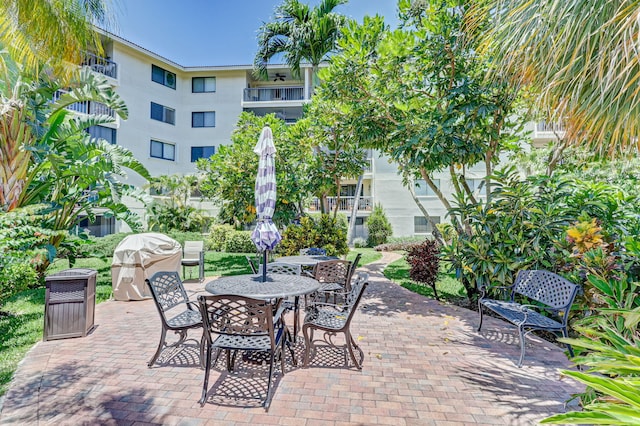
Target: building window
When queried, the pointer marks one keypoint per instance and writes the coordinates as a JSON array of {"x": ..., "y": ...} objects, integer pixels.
[
  {"x": 163, "y": 113},
  {"x": 474, "y": 184},
  {"x": 102, "y": 132},
  {"x": 203, "y": 84},
  {"x": 424, "y": 190},
  {"x": 163, "y": 150},
  {"x": 162, "y": 76},
  {"x": 422, "y": 226},
  {"x": 350, "y": 190},
  {"x": 203, "y": 119},
  {"x": 100, "y": 227},
  {"x": 201, "y": 152}
]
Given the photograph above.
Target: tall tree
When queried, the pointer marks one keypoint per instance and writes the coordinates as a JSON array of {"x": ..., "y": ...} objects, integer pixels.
[
  {"x": 300, "y": 34},
  {"x": 582, "y": 56},
  {"x": 229, "y": 176},
  {"x": 55, "y": 32},
  {"x": 419, "y": 95},
  {"x": 337, "y": 152}
]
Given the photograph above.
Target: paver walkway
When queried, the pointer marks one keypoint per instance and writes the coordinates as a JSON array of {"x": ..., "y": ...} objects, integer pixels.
[{"x": 424, "y": 364}]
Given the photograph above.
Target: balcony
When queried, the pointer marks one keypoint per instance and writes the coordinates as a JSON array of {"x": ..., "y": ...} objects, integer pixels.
[
  {"x": 101, "y": 65},
  {"x": 544, "y": 130},
  {"x": 273, "y": 94},
  {"x": 86, "y": 107},
  {"x": 365, "y": 203}
]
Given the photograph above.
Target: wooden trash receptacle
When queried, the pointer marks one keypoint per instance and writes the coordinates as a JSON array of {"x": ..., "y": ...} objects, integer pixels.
[{"x": 70, "y": 302}]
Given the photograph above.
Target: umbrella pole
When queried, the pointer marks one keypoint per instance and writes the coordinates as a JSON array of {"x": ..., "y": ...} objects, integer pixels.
[{"x": 264, "y": 266}]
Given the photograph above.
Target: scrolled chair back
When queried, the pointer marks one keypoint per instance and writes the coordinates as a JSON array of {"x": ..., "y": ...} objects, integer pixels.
[{"x": 284, "y": 268}]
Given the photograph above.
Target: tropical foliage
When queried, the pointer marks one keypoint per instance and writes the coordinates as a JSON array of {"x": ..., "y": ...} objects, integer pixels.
[
  {"x": 229, "y": 176},
  {"x": 324, "y": 231},
  {"x": 418, "y": 94},
  {"x": 536, "y": 223},
  {"x": 170, "y": 209},
  {"x": 24, "y": 246},
  {"x": 52, "y": 32},
  {"x": 581, "y": 58},
  {"x": 48, "y": 157},
  {"x": 608, "y": 347}
]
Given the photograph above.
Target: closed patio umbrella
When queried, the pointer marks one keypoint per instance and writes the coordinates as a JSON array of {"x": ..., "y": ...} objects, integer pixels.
[{"x": 266, "y": 235}]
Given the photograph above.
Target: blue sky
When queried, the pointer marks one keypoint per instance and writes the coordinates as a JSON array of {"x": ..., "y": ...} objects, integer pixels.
[{"x": 213, "y": 32}]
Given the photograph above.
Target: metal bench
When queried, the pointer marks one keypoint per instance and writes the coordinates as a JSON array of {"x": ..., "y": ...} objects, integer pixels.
[{"x": 553, "y": 294}]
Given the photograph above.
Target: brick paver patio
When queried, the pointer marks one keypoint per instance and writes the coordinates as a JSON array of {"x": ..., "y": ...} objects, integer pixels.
[{"x": 424, "y": 364}]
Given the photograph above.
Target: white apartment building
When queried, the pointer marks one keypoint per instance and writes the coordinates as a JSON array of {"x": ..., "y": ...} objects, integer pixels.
[{"x": 178, "y": 114}]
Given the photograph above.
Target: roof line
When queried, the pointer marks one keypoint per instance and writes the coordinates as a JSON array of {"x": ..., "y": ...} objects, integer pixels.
[{"x": 183, "y": 67}]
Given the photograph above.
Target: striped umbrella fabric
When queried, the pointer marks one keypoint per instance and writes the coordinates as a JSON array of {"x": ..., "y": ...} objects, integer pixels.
[{"x": 266, "y": 235}]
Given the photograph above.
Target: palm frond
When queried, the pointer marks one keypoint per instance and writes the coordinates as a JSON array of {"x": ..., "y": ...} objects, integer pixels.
[{"x": 583, "y": 58}]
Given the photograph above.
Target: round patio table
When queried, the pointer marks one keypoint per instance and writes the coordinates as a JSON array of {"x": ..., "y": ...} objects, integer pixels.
[{"x": 251, "y": 285}]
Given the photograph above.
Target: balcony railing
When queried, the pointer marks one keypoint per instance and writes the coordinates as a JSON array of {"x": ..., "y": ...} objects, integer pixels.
[
  {"x": 102, "y": 65},
  {"x": 365, "y": 203},
  {"x": 86, "y": 107},
  {"x": 544, "y": 127},
  {"x": 270, "y": 94}
]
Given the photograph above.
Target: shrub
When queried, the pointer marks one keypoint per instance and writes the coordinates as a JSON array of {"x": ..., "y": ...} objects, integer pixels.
[
  {"x": 218, "y": 235},
  {"x": 418, "y": 239},
  {"x": 425, "y": 263},
  {"x": 378, "y": 227},
  {"x": 17, "y": 276},
  {"x": 181, "y": 237},
  {"x": 320, "y": 231},
  {"x": 164, "y": 217},
  {"x": 518, "y": 228},
  {"x": 105, "y": 246},
  {"x": 73, "y": 247},
  {"x": 359, "y": 242},
  {"x": 239, "y": 242}
]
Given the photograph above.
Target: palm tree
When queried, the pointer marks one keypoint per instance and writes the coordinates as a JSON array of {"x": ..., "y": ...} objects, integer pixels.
[
  {"x": 581, "y": 56},
  {"x": 58, "y": 163},
  {"x": 55, "y": 32},
  {"x": 300, "y": 33}
]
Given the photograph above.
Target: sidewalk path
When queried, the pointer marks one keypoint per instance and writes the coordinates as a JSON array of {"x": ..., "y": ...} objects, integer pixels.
[{"x": 424, "y": 365}]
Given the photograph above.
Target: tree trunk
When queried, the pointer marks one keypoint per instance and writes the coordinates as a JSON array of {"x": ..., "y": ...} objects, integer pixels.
[
  {"x": 324, "y": 203},
  {"x": 441, "y": 197},
  {"x": 556, "y": 154},
  {"x": 425, "y": 213},
  {"x": 354, "y": 211}
]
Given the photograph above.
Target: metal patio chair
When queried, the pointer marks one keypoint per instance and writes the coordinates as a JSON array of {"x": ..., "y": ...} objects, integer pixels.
[
  {"x": 253, "y": 264},
  {"x": 177, "y": 312},
  {"x": 193, "y": 255},
  {"x": 354, "y": 265},
  {"x": 288, "y": 304},
  {"x": 241, "y": 324},
  {"x": 313, "y": 251},
  {"x": 334, "y": 277},
  {"x": 332, "y": 319}
]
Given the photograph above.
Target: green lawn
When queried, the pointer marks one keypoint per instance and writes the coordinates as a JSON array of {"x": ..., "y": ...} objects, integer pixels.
[
  {"x": 449, "y": 288},
  {"x": 23, "y": 326},
  {"x": 369, "y": 255}
]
